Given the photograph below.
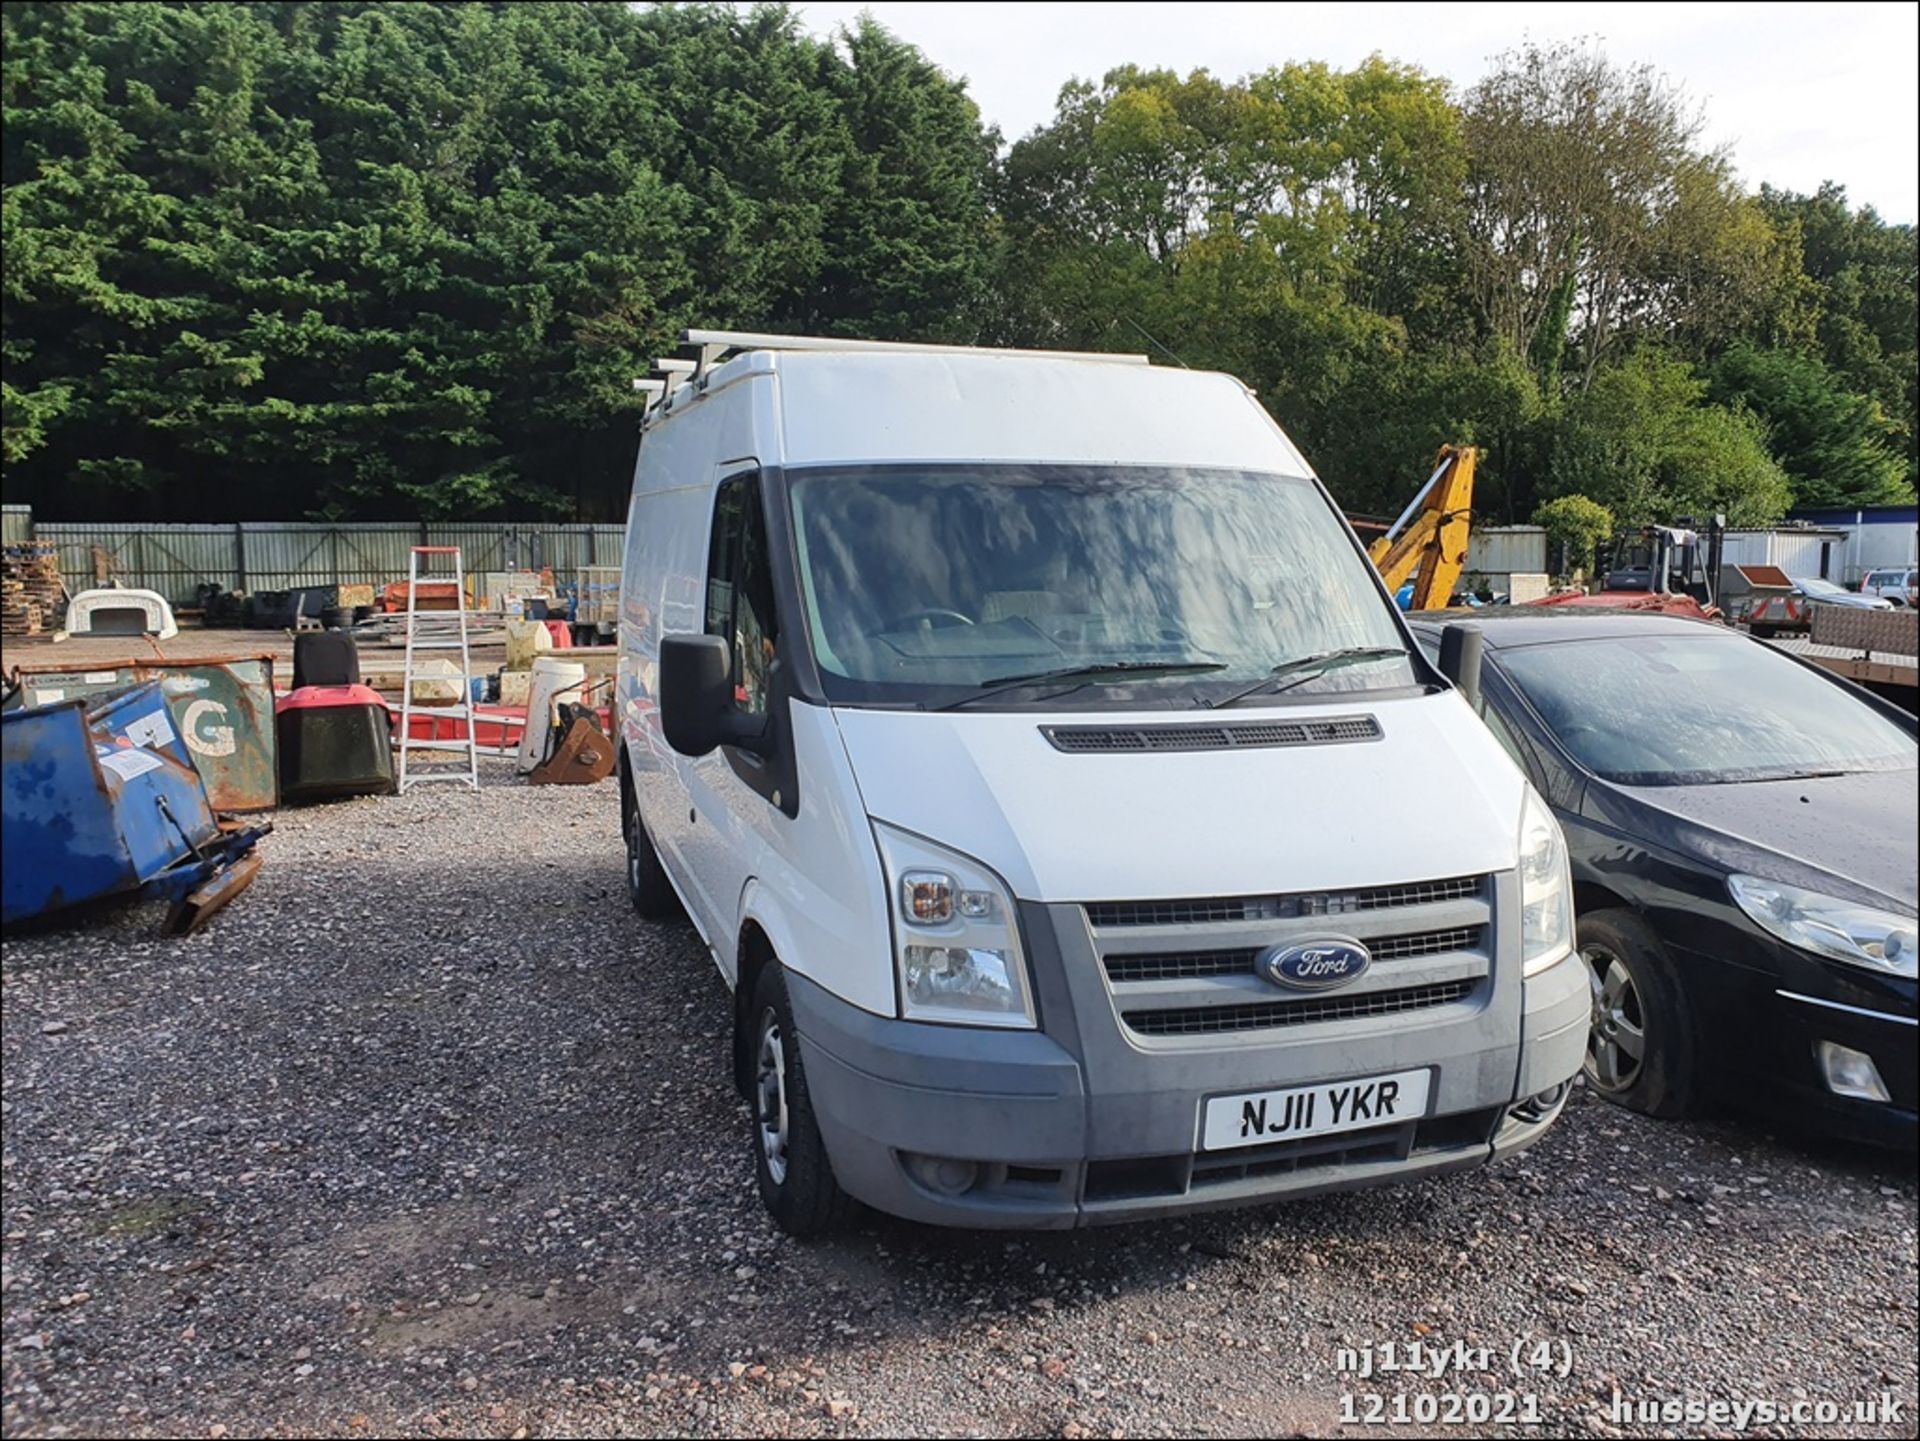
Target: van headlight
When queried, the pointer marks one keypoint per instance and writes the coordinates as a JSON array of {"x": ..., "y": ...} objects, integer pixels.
[
  {"x": 1546, "y": 888},
  {"x": 1864, "y": 936},
  {"x": 956, "y": 938}
]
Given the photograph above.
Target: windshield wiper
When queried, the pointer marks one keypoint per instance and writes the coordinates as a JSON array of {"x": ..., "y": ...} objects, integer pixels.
[
  {"x": 1085, "y": 674},
  {"x": 1316, "y": 665}
]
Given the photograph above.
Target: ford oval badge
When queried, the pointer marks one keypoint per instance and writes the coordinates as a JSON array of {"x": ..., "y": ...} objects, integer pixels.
[{"x": 1315, "y": 965}]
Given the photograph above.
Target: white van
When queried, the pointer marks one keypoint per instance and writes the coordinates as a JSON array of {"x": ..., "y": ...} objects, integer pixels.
[{"x": 1079, "y": 828}]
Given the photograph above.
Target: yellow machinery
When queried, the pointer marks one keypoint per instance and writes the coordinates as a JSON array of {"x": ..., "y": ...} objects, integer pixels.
[{"x": 1429, "y": 541}]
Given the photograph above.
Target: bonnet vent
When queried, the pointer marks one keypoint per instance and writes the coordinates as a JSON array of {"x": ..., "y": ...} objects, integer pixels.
[{"x": 1108, "y": 740}]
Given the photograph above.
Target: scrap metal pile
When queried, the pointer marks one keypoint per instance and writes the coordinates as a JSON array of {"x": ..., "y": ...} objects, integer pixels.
[
  {"x": 102, "y": 799},
  {"x": 134, "y": 777}
]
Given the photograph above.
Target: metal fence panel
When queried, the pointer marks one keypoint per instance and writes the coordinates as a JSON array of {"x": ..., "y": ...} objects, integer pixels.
[
  {"x": 609, "y": 544},
  {"x": 170, "y": 559},
  {"x": 16, "y": 524},
  {"x": 482, "y": 547},
  {"x": 286, "y": 555}
]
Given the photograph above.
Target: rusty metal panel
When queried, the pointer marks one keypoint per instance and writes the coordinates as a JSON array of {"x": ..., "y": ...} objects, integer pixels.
[
  {"x": 1889, "y": 632},
  {"x": 222, "y": 707},
  {"x": 1764, "y": 577}
]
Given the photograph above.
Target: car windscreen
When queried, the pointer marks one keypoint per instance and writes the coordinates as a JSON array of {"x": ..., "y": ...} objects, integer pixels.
[
  {"x": 1699, "y": 709},
  {"x": 923, "y": 584}
]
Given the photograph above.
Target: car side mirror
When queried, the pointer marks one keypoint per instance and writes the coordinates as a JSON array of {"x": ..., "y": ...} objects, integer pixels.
[
  {"x": 697, "y": 710},
  {"x": 1460, "y": 651}
]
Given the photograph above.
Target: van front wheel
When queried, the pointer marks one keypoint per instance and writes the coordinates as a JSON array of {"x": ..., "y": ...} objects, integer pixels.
[
  {"x": 789, "y": 1157},
  {"x": 648, "y": 888}
]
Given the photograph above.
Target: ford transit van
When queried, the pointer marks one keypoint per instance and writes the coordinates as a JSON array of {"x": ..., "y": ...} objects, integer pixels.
[{"x": 1078, "y": 828}]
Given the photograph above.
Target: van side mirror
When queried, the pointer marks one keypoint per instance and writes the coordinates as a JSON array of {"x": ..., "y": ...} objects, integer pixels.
[
  {"x": 1460, "y": 651},
  {"x": 697, "y": 712}
]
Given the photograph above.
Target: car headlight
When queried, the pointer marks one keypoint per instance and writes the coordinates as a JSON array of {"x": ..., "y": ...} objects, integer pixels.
[
  {"x": 1845, "y": 930},
  {"x": 1546, "y": 888},
  {"x": 956, "y": 937}
]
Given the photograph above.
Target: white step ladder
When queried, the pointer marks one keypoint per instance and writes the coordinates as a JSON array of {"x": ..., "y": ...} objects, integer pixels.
[{"x": 431, "y": 631}]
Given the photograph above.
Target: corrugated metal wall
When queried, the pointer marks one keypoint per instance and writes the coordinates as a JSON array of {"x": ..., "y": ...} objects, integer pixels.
[
  {"x": 284, "y": 556},
  {"x": 1878, "y": 537},
  {"x": 170, "y": 559},
  {"x": 281, "y": 555},
  {"x": 16, "y": 523},
  {"x": 1504, "y": 549},
  {"x": 1878, "y": 545},
  {"x": 1746, "y": 547},
  {"x": 1796, "y": 554},
  {"x": 1799, "y": 555}
]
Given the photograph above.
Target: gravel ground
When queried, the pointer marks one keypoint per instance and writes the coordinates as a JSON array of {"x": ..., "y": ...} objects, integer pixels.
[{"x": 428, "y": 1134}]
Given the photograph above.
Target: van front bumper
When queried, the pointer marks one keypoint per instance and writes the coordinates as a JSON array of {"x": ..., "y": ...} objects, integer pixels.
[{"x": 981, "y": 1127}]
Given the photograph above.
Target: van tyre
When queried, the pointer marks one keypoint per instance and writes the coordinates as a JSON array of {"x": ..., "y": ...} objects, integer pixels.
[
  {"x": 1642, "y": 1047},
  {"x": 789, "y": 1157},
  {"x": 647, "y": 884}
]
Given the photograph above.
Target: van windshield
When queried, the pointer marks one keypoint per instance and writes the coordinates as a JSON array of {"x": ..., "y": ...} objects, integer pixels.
[{"x": 925, "y": 584}]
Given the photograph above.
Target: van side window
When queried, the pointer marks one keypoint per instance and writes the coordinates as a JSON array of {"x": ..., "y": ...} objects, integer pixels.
[{"x": 740, "y": 606}]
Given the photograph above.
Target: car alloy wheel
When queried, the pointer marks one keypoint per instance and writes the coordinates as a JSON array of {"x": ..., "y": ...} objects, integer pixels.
[
  {"x": 1617, "y": 1039},
  {"x": 770, "y": 1092}
]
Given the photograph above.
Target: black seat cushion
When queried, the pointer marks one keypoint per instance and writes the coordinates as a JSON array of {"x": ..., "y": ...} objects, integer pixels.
[{"x": 327, "y": 657}]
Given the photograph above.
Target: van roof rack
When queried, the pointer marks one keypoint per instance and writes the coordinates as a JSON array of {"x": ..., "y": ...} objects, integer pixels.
[
  {"x": 716, "y": 345},
  {"x": 701, "y": 350}
]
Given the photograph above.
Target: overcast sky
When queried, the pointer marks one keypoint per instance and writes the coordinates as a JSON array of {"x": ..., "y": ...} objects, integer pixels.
[{"x": 1800, "y": 92}]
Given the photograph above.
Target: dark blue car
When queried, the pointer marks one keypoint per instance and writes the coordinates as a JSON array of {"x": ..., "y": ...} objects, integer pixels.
[{"x": 1742, "y": 827}]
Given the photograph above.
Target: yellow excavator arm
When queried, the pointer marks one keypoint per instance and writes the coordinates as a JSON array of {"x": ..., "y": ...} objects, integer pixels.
[{"x": 1429, "y": 541}]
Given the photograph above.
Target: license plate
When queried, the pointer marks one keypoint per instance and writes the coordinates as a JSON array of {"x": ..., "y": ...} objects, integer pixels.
[{"x": 1258, "y": 1117}]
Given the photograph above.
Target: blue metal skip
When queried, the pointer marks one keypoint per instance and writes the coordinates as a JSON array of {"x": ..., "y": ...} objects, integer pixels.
[{"x": 101, "y": 797}]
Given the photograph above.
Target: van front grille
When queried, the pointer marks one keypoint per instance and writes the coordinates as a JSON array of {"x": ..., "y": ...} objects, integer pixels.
[
  {"x": 1187, "y": 965},
  {"x": 1264, "y": 1015},
  {"x": 1426, "y": 943},
  {"x": 1198, "y": 965},
  {"x": 1221, "y": 909}
]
